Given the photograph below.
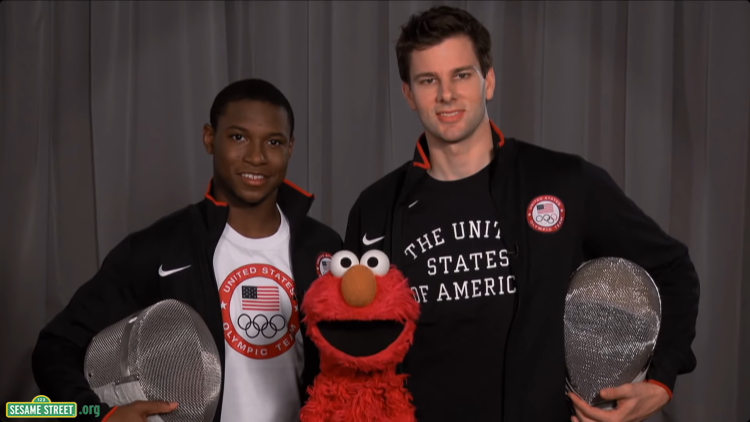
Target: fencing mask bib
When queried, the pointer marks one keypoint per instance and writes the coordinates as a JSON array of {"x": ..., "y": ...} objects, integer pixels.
[
  {"x": 612, "y": 319},
  {"x": 164, "y": 352}
]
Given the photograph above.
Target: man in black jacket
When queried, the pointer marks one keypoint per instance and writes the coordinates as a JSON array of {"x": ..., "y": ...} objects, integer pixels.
[
  {"x": 488, "y": 231},
  {"x": 251, "y": 217}
]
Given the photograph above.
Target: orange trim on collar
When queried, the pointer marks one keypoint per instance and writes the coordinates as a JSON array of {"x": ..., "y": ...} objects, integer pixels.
[
  {"x": 425, "y": 163},
  {"x": 299, "y": 189},
  {"x": 500, "y": 134},
  {"x": 211, "y": 198}
]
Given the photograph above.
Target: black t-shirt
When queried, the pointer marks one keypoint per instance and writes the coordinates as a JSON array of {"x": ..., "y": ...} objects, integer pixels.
[{"x": 458, "y": 269}]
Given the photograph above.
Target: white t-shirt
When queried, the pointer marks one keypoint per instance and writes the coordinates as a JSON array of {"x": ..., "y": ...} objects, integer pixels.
[{"x": 262, "y": 338}]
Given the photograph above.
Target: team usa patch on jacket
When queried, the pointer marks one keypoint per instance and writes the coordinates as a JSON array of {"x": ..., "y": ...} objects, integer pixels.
[
  {"x": 323, "y": 264},
  {"x": 545, "y": 214},
  {"x": 260, "y": 311}
]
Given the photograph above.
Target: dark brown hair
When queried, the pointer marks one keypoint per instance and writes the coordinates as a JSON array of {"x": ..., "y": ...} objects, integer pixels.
[{"x": 432, "y": 27}]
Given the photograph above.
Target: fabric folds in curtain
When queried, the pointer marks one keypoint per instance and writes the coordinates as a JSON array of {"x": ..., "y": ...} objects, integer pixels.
[{"x": 102, "y": 104}]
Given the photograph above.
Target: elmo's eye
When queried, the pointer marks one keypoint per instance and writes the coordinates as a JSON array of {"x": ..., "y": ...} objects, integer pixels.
[
  {"x": 342, "y": 261},
  {"x": 377, "y": 261}
]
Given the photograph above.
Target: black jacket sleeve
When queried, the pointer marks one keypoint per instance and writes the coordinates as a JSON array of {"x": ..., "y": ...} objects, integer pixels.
[
  {"x": 311, "y": 369},
  {"x": 615, "y": 226},
  {"x": 111, "y": 295}
]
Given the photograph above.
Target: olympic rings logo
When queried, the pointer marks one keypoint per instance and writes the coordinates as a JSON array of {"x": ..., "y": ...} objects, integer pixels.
[
  {"x": 547, "y": 218},
  {"x": 253, "y": 327}
]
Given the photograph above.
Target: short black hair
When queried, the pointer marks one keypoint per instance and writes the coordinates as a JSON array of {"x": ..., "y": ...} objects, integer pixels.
[
  {"x": 254, "y": 90},
  {"x": 435, "y": 25}
]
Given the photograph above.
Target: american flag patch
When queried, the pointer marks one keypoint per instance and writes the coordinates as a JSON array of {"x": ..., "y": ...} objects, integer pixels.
[
  {"x": 545, "y": 208},
  {"x": 260, "y": 298}
]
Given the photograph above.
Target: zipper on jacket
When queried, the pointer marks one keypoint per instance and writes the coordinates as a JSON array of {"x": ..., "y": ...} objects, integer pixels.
[
  {"x": 398, "y": 217},
  {"x": 291, "y": 265},
  {"x": 516, "y": 306}
]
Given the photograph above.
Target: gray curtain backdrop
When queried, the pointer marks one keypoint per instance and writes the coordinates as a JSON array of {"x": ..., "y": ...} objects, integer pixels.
[{"x": 102, "y": 103}]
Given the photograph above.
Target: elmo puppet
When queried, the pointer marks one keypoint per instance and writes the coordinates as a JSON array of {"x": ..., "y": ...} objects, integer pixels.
[{"x": 361, "y": 315}]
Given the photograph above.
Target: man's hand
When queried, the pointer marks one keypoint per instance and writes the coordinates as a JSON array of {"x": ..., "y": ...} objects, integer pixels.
[
  {"x": 138, "y": 411},
  {"x": 635, "y": 402}
]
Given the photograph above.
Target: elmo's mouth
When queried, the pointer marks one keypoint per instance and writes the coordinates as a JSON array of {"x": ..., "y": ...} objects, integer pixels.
[{"x": 360, "y": 338}]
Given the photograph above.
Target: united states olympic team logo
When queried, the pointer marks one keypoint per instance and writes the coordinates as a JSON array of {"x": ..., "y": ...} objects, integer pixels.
[
  {"x": 323, "y": 264},
  {"x": 545, "y": 214},
  {"x": 259, "y": 310}
]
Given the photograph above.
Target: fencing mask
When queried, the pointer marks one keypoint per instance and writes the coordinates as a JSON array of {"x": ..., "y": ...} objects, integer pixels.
[
  {"x": 164, "y": 352},
  {"x": 612, "y": 319}
]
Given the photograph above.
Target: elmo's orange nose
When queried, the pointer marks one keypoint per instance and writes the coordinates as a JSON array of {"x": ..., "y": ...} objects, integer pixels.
[{"x": 358, "y": 286}]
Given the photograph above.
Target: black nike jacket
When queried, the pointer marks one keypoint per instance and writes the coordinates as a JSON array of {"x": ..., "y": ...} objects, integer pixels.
[
  {"x": 600, "y": 221},
  {"x": 129, "y": 281}
]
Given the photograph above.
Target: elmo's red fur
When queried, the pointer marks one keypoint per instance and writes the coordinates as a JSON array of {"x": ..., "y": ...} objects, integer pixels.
[{"x": 358, "y": 389}]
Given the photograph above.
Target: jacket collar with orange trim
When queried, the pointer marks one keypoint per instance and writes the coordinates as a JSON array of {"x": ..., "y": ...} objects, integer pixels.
[
  {"x": 293, "y": 201},
  {"x": 501, "y": 148}
]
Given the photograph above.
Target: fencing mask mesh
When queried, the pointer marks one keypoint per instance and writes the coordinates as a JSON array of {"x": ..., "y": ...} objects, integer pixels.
[
  {"x": 164, "y": 352},
  {"x": 612, "y": 319}
]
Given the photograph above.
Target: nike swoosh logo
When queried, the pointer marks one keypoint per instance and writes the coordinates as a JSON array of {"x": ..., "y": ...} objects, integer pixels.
[
  {"x": 170, "y": 272},
  {"x": 369, "y": 242}
]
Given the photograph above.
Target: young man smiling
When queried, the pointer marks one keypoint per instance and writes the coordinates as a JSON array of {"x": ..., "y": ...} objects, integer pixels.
[
  {"x": 488, "y": 230},
  {"x": 250, "y": 216}
]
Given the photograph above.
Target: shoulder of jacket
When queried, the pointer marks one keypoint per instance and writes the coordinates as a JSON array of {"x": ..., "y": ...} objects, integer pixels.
[
  {"x": 384, "y": 188},
  {"x": 164, "y": 229},
  {"x": 142, "y": 248},
  {"x": 548, "y": 160},
  {"x": 527, "y": 149},
  {"x": 320, "y": 229}
]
